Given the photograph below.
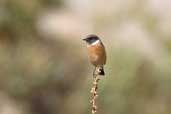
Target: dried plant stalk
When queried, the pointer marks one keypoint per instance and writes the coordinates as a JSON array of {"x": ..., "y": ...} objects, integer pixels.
[{"x": 96, "y": 78}]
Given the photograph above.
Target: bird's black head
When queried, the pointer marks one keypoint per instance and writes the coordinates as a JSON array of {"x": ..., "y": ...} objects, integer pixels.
[{"x": 91, "y": 38}]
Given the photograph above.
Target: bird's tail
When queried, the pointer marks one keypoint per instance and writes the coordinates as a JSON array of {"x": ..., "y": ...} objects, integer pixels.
[{"x": 101, "y": 71}]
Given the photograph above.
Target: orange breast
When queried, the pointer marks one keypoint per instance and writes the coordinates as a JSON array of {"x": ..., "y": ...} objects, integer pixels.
[{"x": 97, "y": 54}]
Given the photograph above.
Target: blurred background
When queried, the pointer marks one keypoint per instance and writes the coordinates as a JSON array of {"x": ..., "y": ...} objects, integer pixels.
[{"x": 43, "y": 61}]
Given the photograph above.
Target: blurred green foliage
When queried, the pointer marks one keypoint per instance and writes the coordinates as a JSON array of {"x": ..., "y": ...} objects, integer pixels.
[{"x": 40, "y": 75}]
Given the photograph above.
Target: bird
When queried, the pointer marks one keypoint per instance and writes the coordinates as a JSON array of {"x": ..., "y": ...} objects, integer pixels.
[{"x": 96, "y": 53}]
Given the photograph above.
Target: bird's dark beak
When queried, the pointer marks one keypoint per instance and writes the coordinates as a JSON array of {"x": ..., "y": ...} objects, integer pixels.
[{"x": 85, "y": 39}]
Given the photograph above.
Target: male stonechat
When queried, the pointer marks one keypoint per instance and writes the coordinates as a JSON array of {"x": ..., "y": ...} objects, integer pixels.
[{"x": 96, "y": 53}]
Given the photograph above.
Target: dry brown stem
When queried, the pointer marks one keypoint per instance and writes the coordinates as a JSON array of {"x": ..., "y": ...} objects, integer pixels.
[{"x": 94, "y": 93}]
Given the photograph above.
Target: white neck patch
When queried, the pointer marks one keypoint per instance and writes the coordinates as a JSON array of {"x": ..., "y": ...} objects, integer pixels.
[{"x": 96, "y": 42}]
